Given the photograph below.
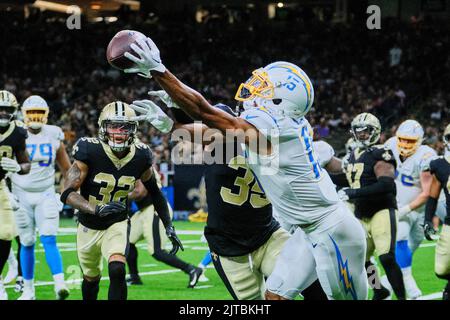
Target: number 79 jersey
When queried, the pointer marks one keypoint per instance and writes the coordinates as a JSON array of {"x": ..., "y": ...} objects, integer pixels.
[
  {"x": 360, "y": 173},
  {"x": 109, "y": 178},
  {"x": 42, "y": 149}
]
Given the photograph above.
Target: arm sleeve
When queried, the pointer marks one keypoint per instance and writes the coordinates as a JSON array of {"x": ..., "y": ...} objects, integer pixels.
[
  {"x": 159, "y": 201},
  {"x": 383, "y": 185},
  {"x": 430, "y": 208}
]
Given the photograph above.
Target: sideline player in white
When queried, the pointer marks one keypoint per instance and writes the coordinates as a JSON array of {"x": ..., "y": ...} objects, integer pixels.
[
  {"x": 39, "y": 204},
  {"x": 299, "y": 190},
  {"x": 413, "y": 182}
]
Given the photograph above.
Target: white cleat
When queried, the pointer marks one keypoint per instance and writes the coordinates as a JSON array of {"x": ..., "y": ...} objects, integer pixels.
[
  {"x": 62, "y": 292},
  {"x": 27, "y": 294},
  {"x": 203, "y": 278},
  {"x": 412, "y": 290}
]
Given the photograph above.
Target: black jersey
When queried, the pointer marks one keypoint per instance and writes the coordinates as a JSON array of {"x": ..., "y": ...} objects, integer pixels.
[
  {"x": 239, "y": 214},
  {"x": 441, "y": 169},
  {"x": 11, "y": 141},
  {"x": 109, "y": 178},
  {"x": 360, "y": 173}
]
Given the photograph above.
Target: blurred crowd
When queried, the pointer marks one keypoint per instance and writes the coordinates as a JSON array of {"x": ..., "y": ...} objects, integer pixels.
[{"x": 400, "y": 71}]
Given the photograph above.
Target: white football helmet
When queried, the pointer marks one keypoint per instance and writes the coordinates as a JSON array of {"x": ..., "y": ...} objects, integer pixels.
[
  {"x": 366, "y": 130},
  {"x": 8, "y": 107},
  {"x": 35, "y": 112},
  {"x": 409, "y": 137},
  {"x": 281, "y": 87}
]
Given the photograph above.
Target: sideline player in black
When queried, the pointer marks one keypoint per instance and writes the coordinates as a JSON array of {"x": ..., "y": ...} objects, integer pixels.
[
  {"x": 370, "y": 173},
  {"x": 12, "y": 145},
  {"x": 244, "y": 238},
  {"x": 145, "y": 224},
  {"x": 440, "y": 169},
  {"x": 105, "y": 170}
]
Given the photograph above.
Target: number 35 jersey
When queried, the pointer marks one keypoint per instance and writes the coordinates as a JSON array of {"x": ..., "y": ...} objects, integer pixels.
[
  {"x": 109, "y": 178},
  {"x": 42, "y": 149},
  {"x": 360, "y": 173},
  {"x": 408, "y": 172}
]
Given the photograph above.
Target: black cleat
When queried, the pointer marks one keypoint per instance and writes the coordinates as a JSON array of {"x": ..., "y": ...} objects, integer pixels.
[
  {"x": 134, "y": 280},
  {"x": 194, "y": 275},
  {"x": 19, "y": 285},
  {"x": 381, "y": 294}
]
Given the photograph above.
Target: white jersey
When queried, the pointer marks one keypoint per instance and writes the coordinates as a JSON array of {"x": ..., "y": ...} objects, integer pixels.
[
  {"x": 408, "y": 172},
  {"x": 42, "y": 148},
  {"x": 324, "y": 151},
  {"x": 300, "y": 191}
]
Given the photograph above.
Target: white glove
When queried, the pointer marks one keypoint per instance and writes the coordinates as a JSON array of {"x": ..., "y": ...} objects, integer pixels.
[
  {"x": 149, "y": 58},
  {"x": 164, "y": 96},
  {"x": 9, "y": 165},
  {"x": 343, "y": 195},
  {"x": 403, "y": 212},
  {"x": 153, "y": 114}
]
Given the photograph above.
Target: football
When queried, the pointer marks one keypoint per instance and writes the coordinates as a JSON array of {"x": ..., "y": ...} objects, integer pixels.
[{"x": 120, "y": 44}]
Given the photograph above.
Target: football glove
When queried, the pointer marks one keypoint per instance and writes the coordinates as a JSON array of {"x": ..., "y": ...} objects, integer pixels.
[
  {"x": 10, "y": 165},
  {"x": 429, "y": 231},
  {"x": 149, "y": 58},
  {"x": 176, "y": 243},
  {"x": 113, "y": 207},
  {"x": 153, "y": 114},
  {"x": 164, "y": 96},
  {"x": 343, "y": 194}
]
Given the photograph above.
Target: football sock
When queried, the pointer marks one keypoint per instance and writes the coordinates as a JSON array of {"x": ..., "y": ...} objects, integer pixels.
[
  {"x": 172, "y": 261},
  {"x": 5, "y": 248},
  {"x": 89, "y": 289},
  {"x": 52, "y": 254},
  {"x": 394, "y": 274},
  {"x": 19, "y": 247},
  {"x": 117, "y": 284},
  {"x": 206, "y": 260},
  {"x": 27, "y": 259},
  {"x": 132, "y": 259},
  {"x": 403, "y": 254},
  {"x": 314, "y": 292}
]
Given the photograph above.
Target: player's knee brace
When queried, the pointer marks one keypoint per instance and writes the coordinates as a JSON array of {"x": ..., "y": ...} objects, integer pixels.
[
  {"x": 403, "y": 254},
  {"x": 52, "y": 254},
  {"x": 116, "y": 270}
]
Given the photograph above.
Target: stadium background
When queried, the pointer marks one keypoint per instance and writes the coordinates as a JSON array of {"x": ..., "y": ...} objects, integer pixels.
[{"x": 397, "y": 72}]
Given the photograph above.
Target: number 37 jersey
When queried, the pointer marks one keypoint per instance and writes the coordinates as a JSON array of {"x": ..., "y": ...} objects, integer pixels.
[
  {"x": 360, "y": 173},
  {"x": 109, "y": 178},
  {"x": 42, "y": 149}
]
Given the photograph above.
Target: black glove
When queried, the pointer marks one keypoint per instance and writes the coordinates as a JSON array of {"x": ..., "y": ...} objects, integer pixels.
[
  {"x": 176, "y": 243},
  {"x": 430, "y": 232},
  {"x": 113, "y": 207}
]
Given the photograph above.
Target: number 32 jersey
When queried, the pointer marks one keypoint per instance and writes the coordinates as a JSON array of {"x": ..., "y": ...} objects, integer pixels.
[
  {"x": 109, "y": 178},
  {"x": 360, "y": 173},
  {"x": 42, "y": 149}
]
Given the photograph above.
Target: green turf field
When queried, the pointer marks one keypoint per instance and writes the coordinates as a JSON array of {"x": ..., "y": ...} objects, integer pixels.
[{"x": 164, "y": 282}]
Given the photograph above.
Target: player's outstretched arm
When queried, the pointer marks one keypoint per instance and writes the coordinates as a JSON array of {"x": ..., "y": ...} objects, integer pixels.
[
  {"x": 192, "y": 102},
  {"x": 74, "y": 179},
  {"x": 162, "y": 209}
]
